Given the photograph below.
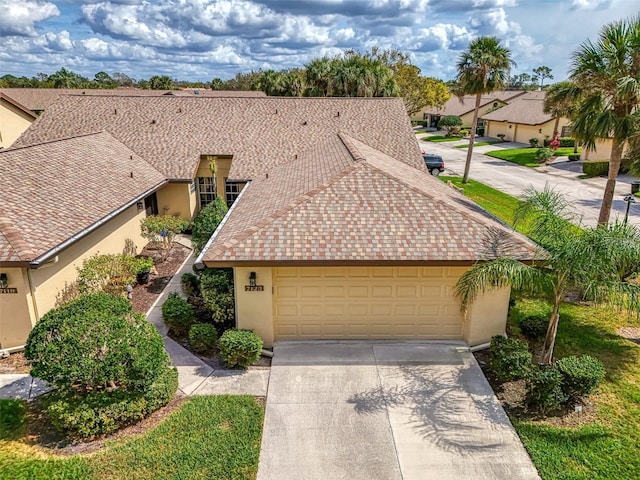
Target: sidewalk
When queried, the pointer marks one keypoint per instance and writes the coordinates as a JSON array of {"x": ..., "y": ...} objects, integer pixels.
[{"x": 195, "y": 377}]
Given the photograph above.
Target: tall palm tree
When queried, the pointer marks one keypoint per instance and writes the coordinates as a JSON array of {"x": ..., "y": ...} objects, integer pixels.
[
  {"x": 607, "y": 76},
  {"x": 561, "y": 100},
  {"x": 482, "y": 68},
  {"x": 596, "y": 261},
  {"x": 318, "y": 77}
]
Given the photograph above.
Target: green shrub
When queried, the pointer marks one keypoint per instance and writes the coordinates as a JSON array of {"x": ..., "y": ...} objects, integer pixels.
[
  {"x": 161, "y": 229},
  {"x": 509, "y": 358},
  {"x": 595, "y": 168},
  {"x": 190, "y": 284},
  {"x": 178, "y": 313},
  {"x": 216, "y": 285},
  {"x": 574, "y": 158},
  {"x": 543, "y": 154},
  {"x": 544, "y": 391},
  {"x": 501, "y": 136},
  {"x": 203, "y": 337},
  {"x": 534, "y": 327},
  {"x": 96, "y": 343},
  {"x": 534, "y": 142},
  {"x": 450, "y": 123},
  {"x": 464, "y": 132},
  {"x": 546, "y": 142},
  {"x": 13, "y": 414},
  {"x": 580, "y": 375},
  {"x": 567, "y": 142},
  {"x": 206, "y": 223},
  {"x": 240, "y": 347},
  {"x": 110, "y": 273},
  {"x": 100, "y": 413}
]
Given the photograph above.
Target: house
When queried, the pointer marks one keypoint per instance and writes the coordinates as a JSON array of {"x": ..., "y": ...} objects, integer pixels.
[
  {"x": 336, "y": 229},
  {"x": 15, "y": 118},
  {"x": 463, "y": 107},
  {"x": 523, "y": 119}
]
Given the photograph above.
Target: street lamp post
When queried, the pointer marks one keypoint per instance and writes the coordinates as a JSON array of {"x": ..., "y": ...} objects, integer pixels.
[{"x": 629, "y": 199}]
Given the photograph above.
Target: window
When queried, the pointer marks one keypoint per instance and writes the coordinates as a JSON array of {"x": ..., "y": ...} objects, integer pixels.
[
  {"x": 231, "y": 191},
  {"x": 206, "y": 190},
  {"x": 566, "y": 132}
]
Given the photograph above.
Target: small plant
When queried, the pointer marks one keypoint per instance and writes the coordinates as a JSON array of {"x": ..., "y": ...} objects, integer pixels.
[
  {"x": 450, "y": 123},
  {"x": 240, "y": 348},
  {"x": 161, "y": 229},
  {"x": 190, "y": 284},
  {"x": 546, "y": 142},
  {"x": 574, "y": 158},
  {"x": 216, "y": 285},
  {"x": 110, "y": 273},
  {"x": 544, "y": 391},
  {"x": 567, "y": 142},
  {"x": 580, "y": 375},
  {"x": 595, "y": 168},
  {"x": 13, "y": 414},
  {"x": 534, "y": 327},
  {"x": 544, "y": 154},
  {"x": 509, "y": 358},
  {"x": 534, "y": 142},
  {"x": 178, "y": 314},
  {"x": 501, "y": 136},
  {"x": 203, "y": 337}
]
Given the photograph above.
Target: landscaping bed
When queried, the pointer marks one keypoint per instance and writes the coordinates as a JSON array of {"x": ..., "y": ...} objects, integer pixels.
[
  {"x": 14, "y": 363},
  {"x": 527, "y": 156}
]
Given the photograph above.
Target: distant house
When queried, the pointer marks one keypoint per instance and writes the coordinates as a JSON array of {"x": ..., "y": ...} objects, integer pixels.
[
  {"x": 523, "y": 119},
  {"x": 464, "y": 107},
  {"x": 336, "y": 229},
  {"x": 15, "y": 118}
]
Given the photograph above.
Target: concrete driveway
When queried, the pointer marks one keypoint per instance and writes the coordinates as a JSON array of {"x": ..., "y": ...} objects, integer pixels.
[{"x": 385, "y": 411}]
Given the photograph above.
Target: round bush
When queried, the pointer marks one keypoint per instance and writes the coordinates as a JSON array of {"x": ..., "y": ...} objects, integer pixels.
[
  {"x": 509, "y": 358},
  {"x": 190, "y": 284},
  {"x": 206, "y": 223},
  {"x": 178, "y": 313},
  {"x": 544, "y": 391},
  {"x": 580, "y": 375},
  {"x": 534, "y": 327},
  {"x": 96, "y": 343},
  {"x": 240, "y": 348},
  {"x": 543, "y": 154},
  {"x": 203, "y": 337}
]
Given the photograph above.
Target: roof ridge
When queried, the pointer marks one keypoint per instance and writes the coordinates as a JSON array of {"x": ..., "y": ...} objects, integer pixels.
[
  {"x": 79, "y": 135},
  {"x": 303, "y": 198},
  {"x": 353, "y": 150},
  {"x": 17, "y": 104},
  {"x": 15, "y": 239}
]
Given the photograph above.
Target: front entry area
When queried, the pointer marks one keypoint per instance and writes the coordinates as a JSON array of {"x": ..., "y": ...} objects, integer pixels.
[
  {"x": 385, "y": 411},
  {"x": 366, "y": 303}
]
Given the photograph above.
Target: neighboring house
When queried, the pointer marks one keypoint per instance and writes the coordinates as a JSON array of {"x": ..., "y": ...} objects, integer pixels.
[
  {"x": 15, "y": 118},
  {"x": 336, "y": 229},
  {"x": 463, "y": 107},
  {"x": 524, "y": 119}
]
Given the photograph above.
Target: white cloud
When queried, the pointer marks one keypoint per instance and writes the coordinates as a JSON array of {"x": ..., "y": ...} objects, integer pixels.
[
  {"x": 443, "y": 36},
  {"x": 20, "y": 17},
  {"x": 589, "y": 4}
]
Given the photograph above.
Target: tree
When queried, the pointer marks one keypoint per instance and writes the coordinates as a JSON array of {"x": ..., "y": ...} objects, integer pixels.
[
  {"x": 161, "y": 229},
  {"x": 418, "y": 91},
  {"x": 161, "y": 82},
  {"x": 64, "y": 78},
  {"x": 271, "y": 82},
  {"x": 217, "y": 84},
  {"x": 104, "y": 80},
  {"x": 482, "y": 68},
  {"x": 450, "y": 122},
  {"x": 560, "y": 101},
  {"x": 542, "y": 73},
  {"x": 123, "y": 80},
  {"x": 596, "y": 261},
  {"x": 607, "y": 79}
]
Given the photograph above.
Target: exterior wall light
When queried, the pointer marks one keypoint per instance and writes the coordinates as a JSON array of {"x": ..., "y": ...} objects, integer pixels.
[
  {"x": 252, "y": 279},
  {"x": 4, "y": 280},
  {"x": 140, "y": 205}
]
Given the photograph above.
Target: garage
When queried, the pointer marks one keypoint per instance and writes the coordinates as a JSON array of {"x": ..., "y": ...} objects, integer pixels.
[{"x": 366, "y": 302}]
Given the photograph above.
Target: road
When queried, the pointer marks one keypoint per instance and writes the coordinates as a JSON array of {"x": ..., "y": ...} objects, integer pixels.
[{"x": 511, "y": 178}]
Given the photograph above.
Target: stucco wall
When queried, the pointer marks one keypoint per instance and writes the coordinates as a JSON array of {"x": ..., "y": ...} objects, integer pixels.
[
  {"x": 254, "y": 310},
  {"x": 487, "y": 316},
  {"x": 493, "y": 129},
  {"x": 16, "y": 309},
  {"x": 601, "y": 152},
  {"x": 177, "y": 199},
  {"x": 110, "y": 238},
  {"x": 13, "y": 122}
]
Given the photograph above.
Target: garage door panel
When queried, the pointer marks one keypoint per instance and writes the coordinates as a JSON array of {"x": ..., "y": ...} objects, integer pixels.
[
  {"x": 287, "y": 310},
  {"x": 314, "y": 291},
  {"x": 358, "y": 291},
  {"x": 287, "y": 291},
  {"x": 381, "y": 309},
  {"x": 382, "y": 291},
  {"x": 332, "y": 291},
  {"x": 333, "y": 309},
  {"x": 405, "y": 310}
]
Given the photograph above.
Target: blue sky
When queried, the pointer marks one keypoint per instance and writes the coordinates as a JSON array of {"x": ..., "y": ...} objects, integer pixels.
[{"x": 203, "y": 39}]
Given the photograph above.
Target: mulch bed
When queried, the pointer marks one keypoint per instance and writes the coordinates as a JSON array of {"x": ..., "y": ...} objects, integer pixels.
[
  {"x": 14, "y": 363},
  {"x": 145, "y": 295}
]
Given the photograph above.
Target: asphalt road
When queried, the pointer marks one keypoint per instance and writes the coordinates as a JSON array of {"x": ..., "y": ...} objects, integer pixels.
[{"x": 511, "y": 178}]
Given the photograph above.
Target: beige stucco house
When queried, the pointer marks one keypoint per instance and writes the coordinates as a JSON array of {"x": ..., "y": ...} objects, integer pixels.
[
  {"x": 336, "y": 229},
  {"x": 15, "y": 118},
  {"x": 523, "y": 119}
]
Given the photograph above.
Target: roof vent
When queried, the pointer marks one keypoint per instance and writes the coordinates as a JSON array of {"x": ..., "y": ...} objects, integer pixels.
[
  {"x": 266, "y": 175},
  {"x": 153, "y": 122},
  {"x": 179, "y": 110},
  {"x": 196, "y": 92},
  {"x": 276, "y": 111},
  {"x": 130, "y": 157},
  {"x": 115, "y": 111},
  {"x": 338, "y": 114},
  {"x": 295, "y": 156},
  {"x": 131, "y": 174},
  {"x": 304, "y": 123}
]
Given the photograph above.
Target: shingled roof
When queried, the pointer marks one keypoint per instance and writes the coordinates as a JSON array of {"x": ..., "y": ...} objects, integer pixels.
[
  {"x": 260, "y": 133},
  {"x": 358, "y": 205},
  {"x": 56, "y": 190},
  {"x": 459, "y": 106},
  {"x": 527, "y": 109}
]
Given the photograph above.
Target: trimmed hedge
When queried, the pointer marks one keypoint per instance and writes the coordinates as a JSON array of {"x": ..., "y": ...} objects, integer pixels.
[
  {"x": 595, "y": 168},
  {"x": 544, "y": 390},
  {"x": 240, "y": 348},
  {"x": 509, "y": 358},
  {"x": 580, "y": 375},
  {"x": 203, "y": 337},
  {"x": 574, "y": 158},
  {"x": 534, "y": 327},
  {"x": 567, "y": 142},
  {"x": 206, "y": 223},
  {"x": 178, "y": 314},
  {"x": 544, "y": 154},
  {"x": 216, "y": 285},
  {"x": 190, "y": 284}
]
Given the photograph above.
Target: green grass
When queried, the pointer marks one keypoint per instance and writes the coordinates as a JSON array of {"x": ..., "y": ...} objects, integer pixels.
[
  {"x": 606, "y": 447},
  {"x": 208, "y": 437},
  {"x": 440, "y": 138},
  {"x": 525, "y": 156},
  {"x": 476, "y": 144}
]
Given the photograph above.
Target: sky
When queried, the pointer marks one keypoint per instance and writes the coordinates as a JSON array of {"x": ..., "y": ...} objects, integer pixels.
[{"x": 198, "y": 40}]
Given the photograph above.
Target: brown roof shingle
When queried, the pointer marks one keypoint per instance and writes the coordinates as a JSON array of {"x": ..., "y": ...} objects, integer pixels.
[
  {"x": 365, "y": 206},
  {"x": 260, "y": 133},
  {"x": 53, "y": 191},
  {"x": 459, "y": 106},
  {"x": 527, "y": 109}
]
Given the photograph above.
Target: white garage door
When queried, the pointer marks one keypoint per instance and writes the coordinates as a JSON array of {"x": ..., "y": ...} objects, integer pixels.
[{"x": 366, "y": 302}]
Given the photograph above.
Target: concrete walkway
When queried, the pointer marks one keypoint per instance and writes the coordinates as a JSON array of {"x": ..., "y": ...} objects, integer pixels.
[
  {"x": 195, "y": 377},
  {"x": 385, "y": 411}
]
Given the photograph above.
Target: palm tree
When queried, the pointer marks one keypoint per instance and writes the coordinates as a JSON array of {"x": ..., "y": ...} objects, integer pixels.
[
  {"x": 561, "y": 100},
  {"x": 482, "y": 68},
  {"x": 595, "y": 261},
  {"x": 607, "y": 76},
  {"x": 318, "y": 77}
]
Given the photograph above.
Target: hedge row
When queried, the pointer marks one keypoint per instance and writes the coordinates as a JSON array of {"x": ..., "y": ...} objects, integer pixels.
[{"x": 596, "y": 168}]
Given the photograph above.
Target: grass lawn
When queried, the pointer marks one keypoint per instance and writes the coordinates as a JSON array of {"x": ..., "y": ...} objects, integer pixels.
[
  {"x": 208, "y": 437},
  {"x": 526, "y": 156},
  {"x": 607, "y": 445},
  {"x": 476, "y": 144},
  {"x": 440, "y": 138}
]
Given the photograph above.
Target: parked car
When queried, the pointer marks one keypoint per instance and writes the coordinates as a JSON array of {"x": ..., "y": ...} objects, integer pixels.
[{"x": 434, "y": 163}]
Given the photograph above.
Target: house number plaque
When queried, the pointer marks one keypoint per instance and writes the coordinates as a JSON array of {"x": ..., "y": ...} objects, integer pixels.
[
  {"x": 254, "y": 288},
  {"x": 8, "y": 290}
]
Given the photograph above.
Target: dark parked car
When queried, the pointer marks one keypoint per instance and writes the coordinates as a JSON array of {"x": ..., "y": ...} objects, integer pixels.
[{"x": 434, "y": 163}]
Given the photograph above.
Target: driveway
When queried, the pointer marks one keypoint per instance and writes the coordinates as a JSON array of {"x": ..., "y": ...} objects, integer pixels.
[{"x": 385, "y": 411}]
